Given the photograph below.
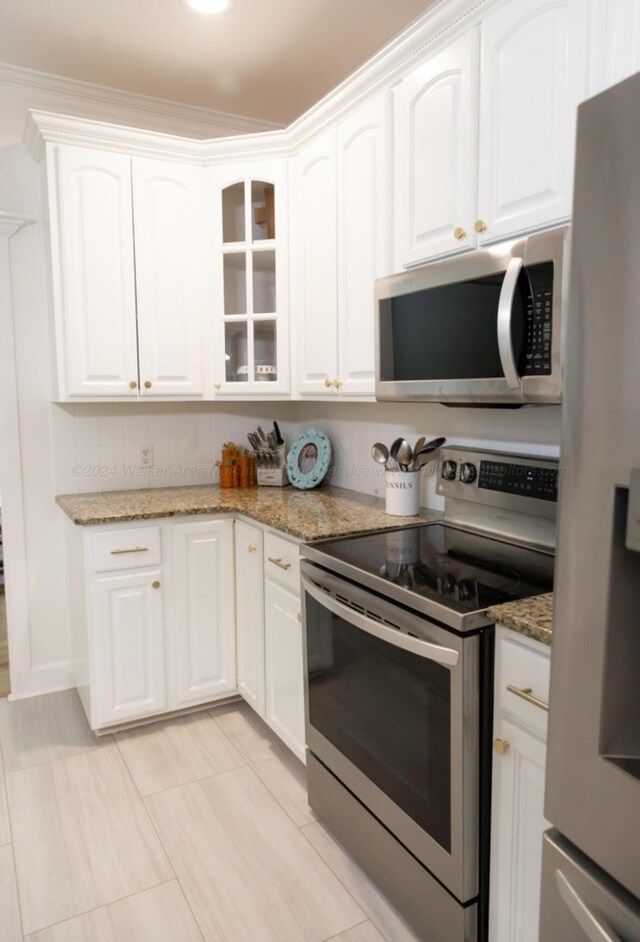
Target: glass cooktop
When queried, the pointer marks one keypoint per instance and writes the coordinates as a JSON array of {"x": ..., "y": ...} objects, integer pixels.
[{"x": 461, "y": 571}]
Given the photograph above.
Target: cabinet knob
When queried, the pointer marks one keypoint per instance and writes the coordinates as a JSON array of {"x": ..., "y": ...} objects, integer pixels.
[
  {"x": 337, "y": 383},
  {"x": 133, "y": 384},
  {"x": 252, "y": 549},
  {"x": 148, "y": 384},
  {"x": 328, "y": 383},
  {"x": 217, "y": 385},
  {"x": 501, "y": 746},
  {"x": 459, "y": 233},
  {"x": 480, "y": 225},
  {"x": 300, "y": 617},
  {"x": 155, "y": 584}
]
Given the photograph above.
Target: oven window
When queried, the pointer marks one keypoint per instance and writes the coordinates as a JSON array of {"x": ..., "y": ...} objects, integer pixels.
[
  {"x": 448, "y": 332},
  {"x": 388, "y": 711}
]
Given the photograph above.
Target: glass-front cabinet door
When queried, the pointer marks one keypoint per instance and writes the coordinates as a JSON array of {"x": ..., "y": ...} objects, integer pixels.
[{"x": 251, "y": 279}]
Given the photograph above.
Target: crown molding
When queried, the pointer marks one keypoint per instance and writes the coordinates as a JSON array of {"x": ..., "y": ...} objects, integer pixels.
[
  {"x": 54, "y": 92},
  {"x": 11, "y": 222},
  {"x": 437, "y": 27}
]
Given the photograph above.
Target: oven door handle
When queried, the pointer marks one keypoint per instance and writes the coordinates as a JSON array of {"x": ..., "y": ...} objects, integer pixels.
[
  {"x": 433, "y": 652},
  {"x": 505, "y": 315}
]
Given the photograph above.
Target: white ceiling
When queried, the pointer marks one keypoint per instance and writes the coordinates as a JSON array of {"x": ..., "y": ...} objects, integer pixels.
[{"x": 268, "y": 59}]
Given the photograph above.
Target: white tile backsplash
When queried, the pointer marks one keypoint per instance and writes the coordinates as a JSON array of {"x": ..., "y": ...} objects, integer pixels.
[{"x": 97, "y": 446}]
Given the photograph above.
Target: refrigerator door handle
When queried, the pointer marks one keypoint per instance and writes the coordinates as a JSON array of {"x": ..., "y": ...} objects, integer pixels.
[{"x": 595, "y": 930}]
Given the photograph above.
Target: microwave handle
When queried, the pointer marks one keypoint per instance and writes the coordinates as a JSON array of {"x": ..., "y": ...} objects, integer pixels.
[
  {"x": 505, "y": 313},
  {"x": 433, "y": 652}
]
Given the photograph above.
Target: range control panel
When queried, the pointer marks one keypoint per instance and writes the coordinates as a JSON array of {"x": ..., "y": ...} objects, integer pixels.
[
  {"x": 522, "y": 479},
  {"x": 496, "y": 478}
]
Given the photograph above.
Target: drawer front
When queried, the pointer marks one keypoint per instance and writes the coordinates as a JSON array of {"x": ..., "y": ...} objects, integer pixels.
[
  {"x": 282, "y": 562},
  {"x": 526, "y": 670},
  {"x": 130, "y": 548}
]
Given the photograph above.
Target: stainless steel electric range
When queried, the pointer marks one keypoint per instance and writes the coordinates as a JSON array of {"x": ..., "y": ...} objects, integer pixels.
[{"x": 399, "y": 677}]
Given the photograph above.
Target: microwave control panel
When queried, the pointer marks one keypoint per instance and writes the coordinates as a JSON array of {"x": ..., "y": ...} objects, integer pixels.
[{"x": 539, "y": 320}]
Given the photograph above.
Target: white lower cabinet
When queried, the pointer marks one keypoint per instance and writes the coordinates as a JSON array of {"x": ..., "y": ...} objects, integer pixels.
[
  {"x": 148, "y": 639},
  {"x": 127, "y": 646},
  {"x": 250, "y": 615},
  {"x": 201, "y": 633},
  {"x": 284, "y": 667},
  {"x": 518, "y": 821}
]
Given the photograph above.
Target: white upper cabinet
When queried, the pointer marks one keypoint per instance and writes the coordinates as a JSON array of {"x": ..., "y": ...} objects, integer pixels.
[
  {"x": 314, "y": 258},
  {"x": 250, "y": 278},
  {"x": 339, "y": 248},
  {"x": 362, "y": 241},
  {"x": 436, "y": 134},
  {"x": 130, "y": 244},
  {"x": 533, "y": 76},
  {"x": 168, "y": 199},
  {"x": 615, "y": 42},
  {"x": 93, "y": 275}
]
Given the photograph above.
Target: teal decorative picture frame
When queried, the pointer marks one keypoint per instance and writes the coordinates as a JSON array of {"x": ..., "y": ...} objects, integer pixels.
[{"x": 309, "y": 459}]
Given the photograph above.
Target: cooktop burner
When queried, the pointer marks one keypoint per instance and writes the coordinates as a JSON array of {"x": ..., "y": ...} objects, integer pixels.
[{"x": 461, "y": 572}]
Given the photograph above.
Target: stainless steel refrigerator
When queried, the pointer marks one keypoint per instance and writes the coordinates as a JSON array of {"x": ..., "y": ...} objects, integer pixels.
[{"x": 591, "y": 859}]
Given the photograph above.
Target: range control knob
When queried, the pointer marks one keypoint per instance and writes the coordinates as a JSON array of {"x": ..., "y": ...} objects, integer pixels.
[
  {"x": 449, "y": 470},
  {"x": 468, "y": 473}
]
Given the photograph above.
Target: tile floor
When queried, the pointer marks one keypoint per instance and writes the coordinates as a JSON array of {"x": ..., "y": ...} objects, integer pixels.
[{"x": 196, "y": 829}]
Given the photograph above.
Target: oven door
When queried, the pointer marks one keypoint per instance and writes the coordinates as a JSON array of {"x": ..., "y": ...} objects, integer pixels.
[{"x": 392, "y": 710}]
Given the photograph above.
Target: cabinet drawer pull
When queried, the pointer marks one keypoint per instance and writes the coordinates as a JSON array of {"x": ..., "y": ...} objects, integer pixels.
[
  {"x": 278, "y": 562},
  {"x": 217, "y": 385},
  {"x": 300, "y": 617},
  {"x": 525, "y": 693},
  {"x": 135, "y": 549},
  {"x": 252, "y": 549}
]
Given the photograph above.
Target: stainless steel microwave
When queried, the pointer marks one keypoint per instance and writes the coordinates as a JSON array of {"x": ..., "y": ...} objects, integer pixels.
[{"x": 483, "y": 328}]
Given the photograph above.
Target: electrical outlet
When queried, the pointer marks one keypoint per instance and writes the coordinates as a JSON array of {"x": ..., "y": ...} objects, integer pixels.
[{"x": 146, "y": 456}]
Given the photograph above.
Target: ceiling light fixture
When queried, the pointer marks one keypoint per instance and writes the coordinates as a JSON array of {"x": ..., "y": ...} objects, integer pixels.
[{"x": 207, "y": 6}]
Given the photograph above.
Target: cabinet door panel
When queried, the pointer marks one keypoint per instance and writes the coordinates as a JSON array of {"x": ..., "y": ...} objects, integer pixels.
[
  {"x": 202, "y": 659},
  {"x": 284, "y": 667},
  {"x": 251, "y": 278},
  {"x": 97, "y": 296},
  {"x": 362, "y": 240},
  {"x": 127, "y": 648},
  {"x": 170, "y": 253},
  {"x": 615, "y": 42},
  {"x": 314, "y": 253},
  {"x": 533, "y": 77},
  {"x": 250, "y": 614},
  {"x": 436, "y": 139},
  {"x": 518, "y": 824}
]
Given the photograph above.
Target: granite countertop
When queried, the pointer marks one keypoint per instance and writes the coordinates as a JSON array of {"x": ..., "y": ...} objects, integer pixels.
[
  {"x": 326, "y": 511},
  {"x": 532, "y": 617}
]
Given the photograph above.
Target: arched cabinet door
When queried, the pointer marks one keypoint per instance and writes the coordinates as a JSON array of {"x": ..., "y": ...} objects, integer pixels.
[
  {"x": 363, "y": 240},
  {"x": 314, "y": 253},
  {"x": 93, "y": 275},
  {"x": 533, "y": 76},
  {"x": 436, "y": 134},
  {"x": 250, "y": 279},
  {"x": 168, "y": 202}
]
